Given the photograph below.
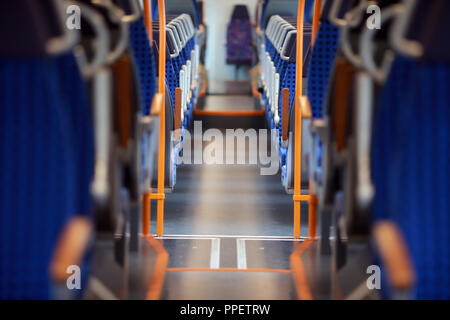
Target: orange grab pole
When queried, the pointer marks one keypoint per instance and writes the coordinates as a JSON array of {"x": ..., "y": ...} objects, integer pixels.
[
  {"x": 298, "y": 198},
  {"x": 316, "y": 20},
  {"x": 146, "y": 214},
  {"x": 146, "y": 198},
  {"x": 312, "y": 202},
  {"x": 162, "y": 119},
  {"x": 298, "y": 120},
  {"x": 312, "y": 213},
  {"x": 148, "y": 19}
]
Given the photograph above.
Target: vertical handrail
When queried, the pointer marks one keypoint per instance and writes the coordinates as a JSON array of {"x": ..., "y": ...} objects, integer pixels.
[
  {"x": 300, "y": 104},
  {"x": 146, "y": 198},
  {"x": 312, "y": 201},
  {"x": 298, "y": 120},
  {"x": 316, "y": 20},
  {"x": 162, "y": 118},
  {"x": 148, "y": 19}
]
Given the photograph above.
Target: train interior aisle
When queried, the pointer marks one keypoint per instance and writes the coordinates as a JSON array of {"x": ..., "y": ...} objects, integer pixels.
[{"x": 224, "y": 150}]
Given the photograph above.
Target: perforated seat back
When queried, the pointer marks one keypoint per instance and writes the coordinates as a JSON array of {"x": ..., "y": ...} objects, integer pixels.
[
  {"x": 172, "y": 65},
  {"x": 288, "y": 72},
  {"x": 144, "y": 59},
  {"x": 410, "y": 167},
  {"x": 321, "y": 63}
]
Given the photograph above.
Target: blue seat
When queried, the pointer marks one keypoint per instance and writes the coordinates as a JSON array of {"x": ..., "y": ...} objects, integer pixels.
[
  {"x": 144, "y": 58},
  {"x": 321, "y": 64},
  {"x": 320, "y": 70},
  {"x": 173, "y": 65},
  {"x": 288, "y": 80},
  {"x": 410, "y": 157},
  {"x": 239, "y": 37},
  {"x": 146, "y": 73},
  {"x": 46, "y": 160}
]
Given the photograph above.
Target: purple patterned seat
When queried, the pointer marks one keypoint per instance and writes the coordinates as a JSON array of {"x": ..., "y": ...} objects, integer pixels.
[{"x": 239, "y": 37}]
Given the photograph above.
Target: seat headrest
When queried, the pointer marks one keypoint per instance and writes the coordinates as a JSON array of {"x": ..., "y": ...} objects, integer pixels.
[
  {"x": 26, "y": 26},
  {"x": 240, "y": 12}
]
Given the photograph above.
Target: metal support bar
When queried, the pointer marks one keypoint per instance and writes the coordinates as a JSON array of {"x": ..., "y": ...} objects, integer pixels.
[
  {"x": 316, "y": 20},
  {"x": 302, "y": 110},
  {"x": 162, "y": 117},
  {"x": 148, "y": 19},
  {"x": 298, "y": 120}
]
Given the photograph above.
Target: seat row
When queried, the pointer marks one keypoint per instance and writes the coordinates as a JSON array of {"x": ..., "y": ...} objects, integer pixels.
[
  {"x": 372, "y": 98},
  {"x": 277, "y": 53},
  {"x": 384, "y": 131},
  {"x": 378, "y": 95},
  {"x": 183, "y": 48},
  {"x": 79, "y": 133}
]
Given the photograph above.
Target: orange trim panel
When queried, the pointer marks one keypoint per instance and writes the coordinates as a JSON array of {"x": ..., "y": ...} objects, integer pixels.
[
  {"x": 230, "y": 270},
  {"x": 229, "y": 113}
]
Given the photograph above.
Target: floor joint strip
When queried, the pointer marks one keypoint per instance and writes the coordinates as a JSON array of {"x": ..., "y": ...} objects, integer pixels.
[
  {"x": 241, "y": 254},
  {"x": 215, "y": 254}
]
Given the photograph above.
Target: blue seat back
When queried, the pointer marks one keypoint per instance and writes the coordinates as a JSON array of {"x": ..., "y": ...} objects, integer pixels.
[
  {"x": 145, "y": 63},
  {"x": 46, "y": 159},
  {"x": 410, "y": 167},
  {"x": 146, "y": 73},
  {"x": 322, "y": 61}
]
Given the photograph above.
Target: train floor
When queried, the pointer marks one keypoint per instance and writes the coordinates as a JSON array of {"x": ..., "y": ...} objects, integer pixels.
[
  {"x": 232, "y": 219},
  {"x": 227, "y": 235}
]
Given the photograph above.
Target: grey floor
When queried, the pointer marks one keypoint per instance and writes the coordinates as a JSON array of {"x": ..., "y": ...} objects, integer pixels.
[
  {"x": 229, "y": 102},
  {"x": 230, "y": 216},
  {"x": 219, "y": 285},
  {"x": 229, "y": 87},
  {"x": 240, "y": 211},
  {"x": 228, "y": 200}
]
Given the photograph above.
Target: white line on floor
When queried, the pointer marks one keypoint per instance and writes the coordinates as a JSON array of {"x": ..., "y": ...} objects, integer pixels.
[
  {"x": 359, "y": 293},
  {"x": 100, "y": 290},
  {"x": 241, "y": 254},
  {"x": 210, "y": 237},
  {"x": 214, "y": 262}
]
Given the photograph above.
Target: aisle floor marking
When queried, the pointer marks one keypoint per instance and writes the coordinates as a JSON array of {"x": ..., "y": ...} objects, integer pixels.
[
  {"x": 241, "y": 254},
  {"x": 215, "y": 254},
  {"x": 101, "y": 290},
  {"x": 210, "y": 237},
  {"x": 230, "y": 270}
]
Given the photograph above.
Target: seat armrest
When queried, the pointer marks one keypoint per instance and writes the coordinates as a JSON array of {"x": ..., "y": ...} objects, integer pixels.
[
  {"x": 305, "y": 107},
  {"x": 392, "y": 249},
  {"x": 157, "y": 104},
  {"x": 71, "y": 247}
]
